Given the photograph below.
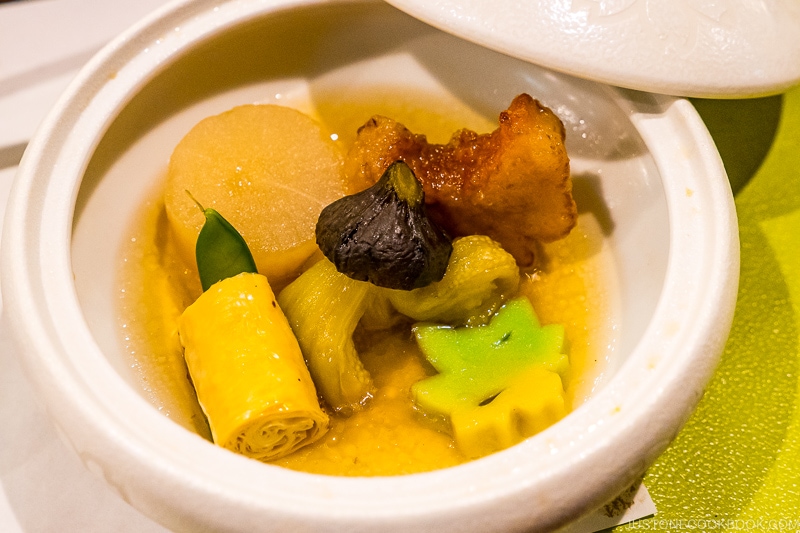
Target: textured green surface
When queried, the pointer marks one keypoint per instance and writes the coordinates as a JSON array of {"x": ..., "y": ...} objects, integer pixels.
[
  {"x": 475, "y": 364},
  {"x": 736, "y": 464}
]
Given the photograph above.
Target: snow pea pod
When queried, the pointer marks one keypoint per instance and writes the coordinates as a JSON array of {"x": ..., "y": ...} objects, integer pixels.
[{"x": 221, "y": 252}]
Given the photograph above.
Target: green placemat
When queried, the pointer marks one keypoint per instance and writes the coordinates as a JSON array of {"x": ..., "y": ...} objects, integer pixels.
[{"x": 736, "y": 464}]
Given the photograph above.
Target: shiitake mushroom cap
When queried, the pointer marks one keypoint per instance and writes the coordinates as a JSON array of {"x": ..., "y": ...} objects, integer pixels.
[{"x": 383, "y": 234}]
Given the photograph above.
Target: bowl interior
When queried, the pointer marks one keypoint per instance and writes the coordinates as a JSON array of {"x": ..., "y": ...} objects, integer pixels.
[
  {"x": 303, "y": 55},
  {"x": 646, "y": 176}
]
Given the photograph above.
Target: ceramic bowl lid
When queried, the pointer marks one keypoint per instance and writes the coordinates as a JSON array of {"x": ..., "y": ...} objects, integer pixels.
[{"x": 703, "y": 48}]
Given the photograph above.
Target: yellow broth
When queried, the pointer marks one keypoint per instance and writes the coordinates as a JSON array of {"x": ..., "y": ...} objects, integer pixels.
[{"x": 389, "y": 437}]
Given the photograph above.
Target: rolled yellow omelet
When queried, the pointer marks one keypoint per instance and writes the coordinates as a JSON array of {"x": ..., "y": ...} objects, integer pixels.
[{"x": 248, "y": 371}]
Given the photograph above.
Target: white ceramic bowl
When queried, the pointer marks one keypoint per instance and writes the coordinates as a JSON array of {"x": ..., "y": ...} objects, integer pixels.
[{"x": 648, "y": 159}]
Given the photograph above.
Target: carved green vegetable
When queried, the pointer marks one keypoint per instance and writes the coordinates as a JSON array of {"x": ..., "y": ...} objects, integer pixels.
[
  {"x": 498, "y": 383},
  {"x": 383, "y": 234}
]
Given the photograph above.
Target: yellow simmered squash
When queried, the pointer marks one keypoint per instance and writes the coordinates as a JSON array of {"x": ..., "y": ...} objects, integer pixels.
[
  {"x": 533, "y": 401},
  {"x": 248, "y": 371}
]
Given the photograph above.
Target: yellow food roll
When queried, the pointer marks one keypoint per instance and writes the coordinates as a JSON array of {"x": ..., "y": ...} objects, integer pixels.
[{"x": 248, "y": 371}]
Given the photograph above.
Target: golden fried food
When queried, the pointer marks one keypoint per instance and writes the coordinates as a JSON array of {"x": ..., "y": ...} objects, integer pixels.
[{"x": 512, "y": 184}]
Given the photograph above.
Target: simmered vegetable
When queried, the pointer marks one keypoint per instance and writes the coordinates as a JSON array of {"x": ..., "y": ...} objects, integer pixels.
[
  {"x": 383, "y": 234},
  {"x": 532, "y": 401},
  {"x": 269, "y": 169},
  {"x": 323, "y": 308},
  {"x": 480, "y": 276},
  {"x": 480, "y": 365},
  {"x": 220, "y": 251}
]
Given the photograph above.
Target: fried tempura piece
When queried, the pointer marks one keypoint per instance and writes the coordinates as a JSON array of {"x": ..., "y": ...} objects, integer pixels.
[{"x": 512, "y": 184}]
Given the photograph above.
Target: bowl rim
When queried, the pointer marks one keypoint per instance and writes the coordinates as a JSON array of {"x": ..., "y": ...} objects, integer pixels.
[{"x": 68, "y": 369}]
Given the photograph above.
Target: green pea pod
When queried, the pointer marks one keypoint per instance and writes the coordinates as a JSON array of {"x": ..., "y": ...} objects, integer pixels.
[{"x": 220, "y": 251}]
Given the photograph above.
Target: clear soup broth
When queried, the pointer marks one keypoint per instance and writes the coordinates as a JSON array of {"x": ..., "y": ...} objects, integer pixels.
[{"x": 569, "y": 285}]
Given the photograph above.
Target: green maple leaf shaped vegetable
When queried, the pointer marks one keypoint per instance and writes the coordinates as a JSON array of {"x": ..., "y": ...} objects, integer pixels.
[{"x": 475, "y": 364}]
